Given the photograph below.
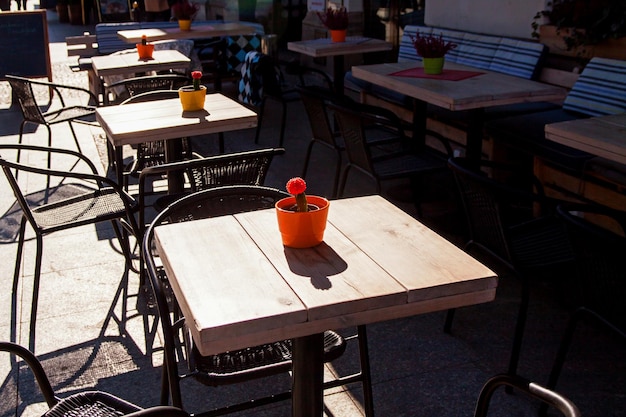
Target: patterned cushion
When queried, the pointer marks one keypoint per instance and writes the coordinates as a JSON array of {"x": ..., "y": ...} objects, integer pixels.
[
  {"x": 238, "y": 46},
  {"x": 475, "y": 50},
  {"x": 600, "y": 89},
  {"x": 519, "y": 58}
]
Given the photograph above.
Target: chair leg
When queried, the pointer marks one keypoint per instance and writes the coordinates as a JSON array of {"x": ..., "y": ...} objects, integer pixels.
[
  {"x": 35, "y": 301},
  {"x": 75, "y": 137},
  {"x": 342, "y": 182},
  {"x": 337, "y": 173},
  {"x": 16, "y": 280},
  {"x": 283, "y": 123},
  {"x": 519, "y": 328},
  {"x": 307, "y": 157},
  {"x": 368, "y": 400},
  {"x": 447, "y": 327}
]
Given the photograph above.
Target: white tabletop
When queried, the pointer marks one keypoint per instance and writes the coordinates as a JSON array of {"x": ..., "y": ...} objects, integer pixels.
[
  {"x": 198, "y": 31},
  {"x": 164, "y": 119},
  {"x": 485, "y": 90},
  {"x": 602, "y": 136},
  {"x": 238, "y": 286},
  {"x": 325, "y": 47},
  {"x": 127, "y": 63}
]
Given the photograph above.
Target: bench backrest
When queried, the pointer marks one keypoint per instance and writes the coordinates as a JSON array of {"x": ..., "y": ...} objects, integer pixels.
[
  {"x": 600, "y": 89},
  {"x": 510, "y": 56}
]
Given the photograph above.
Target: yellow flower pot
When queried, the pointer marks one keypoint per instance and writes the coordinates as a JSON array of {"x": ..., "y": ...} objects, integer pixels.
[
  {"x": 184, "y": 24},
  {"x": 192, "y": 100},
  {"x": 302, "y": 229}
]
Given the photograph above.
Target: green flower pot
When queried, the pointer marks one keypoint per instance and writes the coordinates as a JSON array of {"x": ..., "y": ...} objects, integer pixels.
[{"x": 433, "y": 66}]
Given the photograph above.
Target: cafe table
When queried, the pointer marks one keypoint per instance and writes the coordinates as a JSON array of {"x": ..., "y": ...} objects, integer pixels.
[
  {"x": 141, "y": 122},
  {"x": 238, "y": 286},
  {"x": 602, "y": 136},
  {"x": 460, "y": 87},
  {"x": 324, "y": 47},
  {"x": 197, "y": 31}
]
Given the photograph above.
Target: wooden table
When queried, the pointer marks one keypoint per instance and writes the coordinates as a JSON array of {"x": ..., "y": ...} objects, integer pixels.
[
  {"x": 376, "y": 263},
  {"x": 130, "y": 63},
  {"x": 472, "y": 94},
  {"x": 602, "y": 136},
  {"x": 324, "y": 47},
  {"x": 164, "y": 120},
  {"x": 198, "y": 31}
]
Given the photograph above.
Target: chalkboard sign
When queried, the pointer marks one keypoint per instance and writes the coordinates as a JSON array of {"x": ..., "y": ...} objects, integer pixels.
[{"x": 24, "y": 44}]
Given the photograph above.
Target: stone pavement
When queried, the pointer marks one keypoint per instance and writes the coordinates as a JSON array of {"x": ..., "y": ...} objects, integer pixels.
[{"x": 85, "y": 341}]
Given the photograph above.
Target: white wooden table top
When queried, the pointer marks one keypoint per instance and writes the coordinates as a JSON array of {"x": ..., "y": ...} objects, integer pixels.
[
  {"x": 485, "y": 90},
  {"x": 198, "y": 31},
  {"x": 239, "y": 286},
  {"x": 164, "y": 119},
  {"x": 126, "y": 63},
  {"x": 603, "y": 136},
  {"x": 325, "y": 47}
]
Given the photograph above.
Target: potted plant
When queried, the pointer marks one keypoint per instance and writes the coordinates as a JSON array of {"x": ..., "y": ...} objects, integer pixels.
[
  {"x": 184, "y": 11},
  {"x": 583, "y": 28},
  {"x": 145, "y": 49},
  {"x": 301, "y": 218},
  {"x": 192, "y": 96},
  {"x": 432, "y": 49},
  {"x": 336, "y": 21}
]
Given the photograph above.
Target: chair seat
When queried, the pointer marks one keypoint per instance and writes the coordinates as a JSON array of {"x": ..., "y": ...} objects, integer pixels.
[
  {"x": 405, "y": 164},
  {"x": 82, "y": 209},
  {"x": 91, "y": 404},
  {"x": 69, "y": 113},
  {"x": 267, "y": 359}
]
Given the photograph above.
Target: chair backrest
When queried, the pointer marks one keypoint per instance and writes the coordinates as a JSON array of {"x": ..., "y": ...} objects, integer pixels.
[
  {"x": 150, "y": 96},
  {"x": 23, "y": 91},
  {"x": 598, "y": 252},
  {"x": 315, "y": 104},
  {"x": 536, "y": 391},
  {"x": 202, "y": 204},
  {"x": 355, "y": 121},
  {"x": 138, "y": 85},
  {"x": 488, "y": 206}
]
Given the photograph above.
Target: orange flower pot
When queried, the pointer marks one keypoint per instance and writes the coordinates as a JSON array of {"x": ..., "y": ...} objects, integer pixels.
[
  {"x": 338, "y": 35},
  {"x": 302, "y": 230},
  {"x": 192, "y": 100},
  {"x": 145, "y": 51}
]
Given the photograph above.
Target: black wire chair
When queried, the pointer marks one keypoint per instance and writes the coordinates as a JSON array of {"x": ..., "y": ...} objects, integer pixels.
[
  {"x": 32, "y": 113},
  {"x": 241, "y": 365},
  {"x": 531, "y": 389},
  {"x": 513, "y": 225},
  {"x": 83, "y": 404},
  {"x": 137, "y": 85},
  {"x": 597, "y": 235},
  {"x": 355, "y": 124},
  {"x": 94, "y": 199}
]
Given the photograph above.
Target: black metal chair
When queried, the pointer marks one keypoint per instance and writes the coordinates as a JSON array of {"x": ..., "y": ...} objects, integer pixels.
[
  {"x": 137, "y": 85},
  {"x": 93, "y": 199},
  {"x": 599, "y": 289},
  {"x": 83, "y": 404},
  {"x": 513, "y": 225},
  {"x": 32, "y": 113},
  {"x": 531, "y": 389},
  {"x": 355, "y": 124},
  {"x": 241, "y": 168},
  {"x": 152, "y": 153},
  {"x": 237, "y": 366}
]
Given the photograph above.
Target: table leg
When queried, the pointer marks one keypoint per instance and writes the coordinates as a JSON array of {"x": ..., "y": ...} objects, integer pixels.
[
  {"x": 419, "y": 125},
  {"x": 338, "y": 73},
  {"x": 308, "y": 376},
  {"x": 173, "y": 153},
  {"x": 119, "y": 164},
  {"x": 473, "y": 148}
]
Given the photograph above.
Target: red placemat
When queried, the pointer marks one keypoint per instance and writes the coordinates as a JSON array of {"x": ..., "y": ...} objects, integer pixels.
[{"x": 448, "y": 75}]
